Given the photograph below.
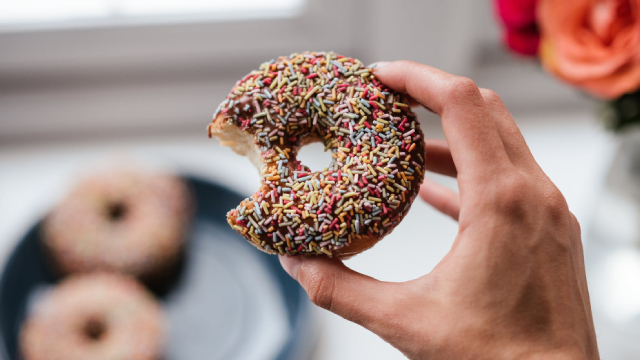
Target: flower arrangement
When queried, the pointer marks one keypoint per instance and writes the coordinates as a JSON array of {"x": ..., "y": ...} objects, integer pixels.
[{"x": 593, "y": 45}]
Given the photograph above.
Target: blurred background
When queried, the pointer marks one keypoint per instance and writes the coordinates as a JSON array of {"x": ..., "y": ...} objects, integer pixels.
[{"x": 86, "y": 83}]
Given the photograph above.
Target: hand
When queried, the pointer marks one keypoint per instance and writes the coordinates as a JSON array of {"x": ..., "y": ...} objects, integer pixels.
[{"x": 513, "y": 285}]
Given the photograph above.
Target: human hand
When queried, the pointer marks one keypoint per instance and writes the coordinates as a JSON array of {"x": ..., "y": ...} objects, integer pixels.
[{"x": 513, "y": 285}]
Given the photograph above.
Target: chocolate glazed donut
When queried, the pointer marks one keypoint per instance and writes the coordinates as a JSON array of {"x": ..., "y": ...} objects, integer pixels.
[{"x": 373, "y": 136}]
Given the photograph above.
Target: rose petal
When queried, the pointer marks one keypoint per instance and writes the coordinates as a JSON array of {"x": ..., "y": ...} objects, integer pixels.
[
  {"x": 523, "y": 42},
  {"x": 625, "y": 80},
  {"x": 517, "y": 14}
]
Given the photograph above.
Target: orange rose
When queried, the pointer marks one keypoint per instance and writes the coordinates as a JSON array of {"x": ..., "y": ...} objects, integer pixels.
[{"x": 592, "y": 44}]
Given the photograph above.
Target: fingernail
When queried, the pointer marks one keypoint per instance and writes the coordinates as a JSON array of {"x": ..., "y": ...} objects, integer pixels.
[
  {"x": 291, "y": 264},
  {"x": 378, "y": 64}
]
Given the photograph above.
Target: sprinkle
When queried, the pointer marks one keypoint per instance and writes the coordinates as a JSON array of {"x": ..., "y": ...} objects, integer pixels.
[{"x": 311, "y": 92}]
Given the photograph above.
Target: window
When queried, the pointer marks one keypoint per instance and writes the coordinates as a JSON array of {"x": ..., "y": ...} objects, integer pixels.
[{"x": 39, "y": 13}]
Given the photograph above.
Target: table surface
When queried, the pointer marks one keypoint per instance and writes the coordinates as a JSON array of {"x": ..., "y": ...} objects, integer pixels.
[{"x": 571, "y": 147}]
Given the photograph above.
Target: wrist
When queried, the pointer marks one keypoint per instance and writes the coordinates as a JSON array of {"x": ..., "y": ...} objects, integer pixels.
[
  {"x": 558, "y": 355},
  {"x": 566, "y": 352}
]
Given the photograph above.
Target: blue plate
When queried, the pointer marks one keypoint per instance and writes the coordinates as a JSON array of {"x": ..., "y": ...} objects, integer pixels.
[{"x": 229, "y": 300}]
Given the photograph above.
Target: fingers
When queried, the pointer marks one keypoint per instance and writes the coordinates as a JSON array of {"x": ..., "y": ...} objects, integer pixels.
[
  {"x": 473, "y": 138},
  {"x": 441, "y": 198},
  {"x": 414, "y": 103},
  {"x": 356, "y": 297},
  {"x": 438, "y": 158},
  {"x": 512, "y": 138}
]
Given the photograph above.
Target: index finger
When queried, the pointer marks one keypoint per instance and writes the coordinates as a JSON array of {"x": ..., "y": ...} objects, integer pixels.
[{"x": 474, "y": 140}]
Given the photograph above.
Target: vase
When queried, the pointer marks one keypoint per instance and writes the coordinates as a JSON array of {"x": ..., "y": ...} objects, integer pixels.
[{"x": 612, "y": 255}]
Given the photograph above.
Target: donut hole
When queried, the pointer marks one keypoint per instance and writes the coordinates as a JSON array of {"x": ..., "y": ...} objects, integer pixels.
[
  {"x": 314, "y": 156},
  {"x": 116, "y": 211},
  {"x": 94, "y": 329}
]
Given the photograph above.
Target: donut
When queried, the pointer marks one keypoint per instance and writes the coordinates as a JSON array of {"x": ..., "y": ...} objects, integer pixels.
[
  {"x": 374, "y": 138},
  {"x": 119, "y": 220},
  {"x": 94, "y": 316}
]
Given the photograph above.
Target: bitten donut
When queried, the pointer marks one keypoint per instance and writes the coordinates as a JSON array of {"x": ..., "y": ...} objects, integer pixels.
[
  {"x": 119, "y": 221},
  {"x": 373, "y": 136},
  {"x": 94, "y": 316}
]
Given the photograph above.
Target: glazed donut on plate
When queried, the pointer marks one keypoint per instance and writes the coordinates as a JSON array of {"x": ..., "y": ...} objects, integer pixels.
[
  {"x": 94, "y": 316},
  {"x": 120, "y": 221},
  {"x": 373, "y": 136}
]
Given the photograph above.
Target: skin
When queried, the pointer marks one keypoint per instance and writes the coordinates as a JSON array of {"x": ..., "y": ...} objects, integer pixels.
[{"x": 513, "y": 285}]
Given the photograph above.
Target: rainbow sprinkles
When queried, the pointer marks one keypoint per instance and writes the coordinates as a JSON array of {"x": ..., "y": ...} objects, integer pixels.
[{"x": 373, "y": 137}]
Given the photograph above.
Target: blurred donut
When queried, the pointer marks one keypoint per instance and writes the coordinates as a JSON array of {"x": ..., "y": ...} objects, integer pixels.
[
  {"x": 120, "y": 221},
  {"x": 97, "y": 317}
]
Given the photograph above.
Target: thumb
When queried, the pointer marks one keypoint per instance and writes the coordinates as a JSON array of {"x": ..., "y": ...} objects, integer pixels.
[{"x": 356, "y": 297}]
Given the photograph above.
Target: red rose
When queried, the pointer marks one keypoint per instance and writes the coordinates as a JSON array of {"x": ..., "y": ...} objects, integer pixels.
[{"x": 521, "y": 29}]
